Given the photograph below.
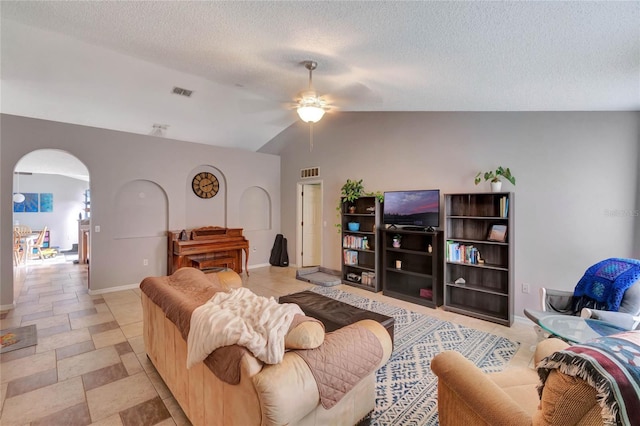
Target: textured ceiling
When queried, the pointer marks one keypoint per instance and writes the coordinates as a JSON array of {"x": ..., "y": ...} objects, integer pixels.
[{"x": 113, "y": 64}]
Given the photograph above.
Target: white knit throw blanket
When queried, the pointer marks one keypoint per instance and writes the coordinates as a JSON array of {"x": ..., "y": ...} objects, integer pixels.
[{"x": 240, "y": 317}]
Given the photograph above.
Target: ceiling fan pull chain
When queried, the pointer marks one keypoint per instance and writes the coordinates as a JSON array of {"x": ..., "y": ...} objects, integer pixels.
[{"x": 310, "y": 137}]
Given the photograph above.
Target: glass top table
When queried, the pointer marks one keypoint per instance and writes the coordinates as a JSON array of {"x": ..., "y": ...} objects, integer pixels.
[{"x": 576, "y": 329}]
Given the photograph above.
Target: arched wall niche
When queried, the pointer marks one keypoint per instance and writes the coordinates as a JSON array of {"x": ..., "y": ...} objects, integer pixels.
[
  {"x": 141, "y": 208},
  {"x": 206, "y": 212},
  {"x": 255, "y": 209}
]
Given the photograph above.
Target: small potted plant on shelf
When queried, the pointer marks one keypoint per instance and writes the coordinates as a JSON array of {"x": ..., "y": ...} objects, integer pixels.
[
  {"x": 350, "y": 192},
  {"x": 494, "y": 177}
]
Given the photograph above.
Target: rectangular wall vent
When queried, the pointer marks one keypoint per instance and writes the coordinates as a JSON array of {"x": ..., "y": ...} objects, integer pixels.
[
  {"x": 310, "y": 172},
  {"x": 182, "y": 92}
]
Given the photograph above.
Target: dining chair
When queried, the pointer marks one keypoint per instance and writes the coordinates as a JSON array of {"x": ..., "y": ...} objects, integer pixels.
[
  {"x": 38, "y": 243},
  {"x": 22, "y": 230},
  {"x": 18, "y": 252}
]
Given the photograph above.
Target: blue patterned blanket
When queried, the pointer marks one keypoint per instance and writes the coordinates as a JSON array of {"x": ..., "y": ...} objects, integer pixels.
[
  {"x": 603, "y": 285},
  {"x": 612, "y": 366}
]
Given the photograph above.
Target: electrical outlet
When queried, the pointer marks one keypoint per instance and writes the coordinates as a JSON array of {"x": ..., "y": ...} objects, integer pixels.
[
  {"x": 97, "y": 228},
  {"x": 145, "y": 262},
  {"x": 254, "y": 249},
  {"x": 525, "y": 288}
]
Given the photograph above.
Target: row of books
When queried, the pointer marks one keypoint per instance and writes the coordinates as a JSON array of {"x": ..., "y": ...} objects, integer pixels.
[
  {"x": 504, "y": 207},
  {"x": 365, "y": 278},
  {"x": 350, "y": 257},
  {"x": 465, "y": 253},
  {"x": 355, "y": 242}
]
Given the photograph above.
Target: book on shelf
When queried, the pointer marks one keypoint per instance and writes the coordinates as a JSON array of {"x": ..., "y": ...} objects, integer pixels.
[
  {"x": 504, "y": 207},
  {"x": 350, "y": 257},
  {"x": 355, "y": 242},
  {"x": 463, "y": 253}
]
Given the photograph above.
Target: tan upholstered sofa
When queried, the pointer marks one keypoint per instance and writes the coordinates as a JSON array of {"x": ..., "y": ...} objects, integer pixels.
[
  {"x": 467, "y": 396},
  {"x": 267, "y": 394}
]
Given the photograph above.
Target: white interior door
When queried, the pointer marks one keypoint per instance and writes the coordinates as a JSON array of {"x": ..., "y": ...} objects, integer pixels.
[{"x": 311, "y": 224}]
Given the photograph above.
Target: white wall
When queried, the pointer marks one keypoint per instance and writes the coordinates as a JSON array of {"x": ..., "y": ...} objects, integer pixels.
[
  {"x": 68, "y": 197},
  {"x": 572, "y": 170},
  {"x": 115, "y": 159}
]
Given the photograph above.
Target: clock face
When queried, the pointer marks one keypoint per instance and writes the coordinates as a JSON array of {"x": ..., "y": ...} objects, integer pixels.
[{"x": 205, "y": 185}]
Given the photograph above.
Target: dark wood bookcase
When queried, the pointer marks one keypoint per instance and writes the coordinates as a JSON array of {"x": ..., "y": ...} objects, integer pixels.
[
  {"x": 478, "y": 272},
  {"x": 412, "y": 272},
  {"x": 361, "y": 248}
]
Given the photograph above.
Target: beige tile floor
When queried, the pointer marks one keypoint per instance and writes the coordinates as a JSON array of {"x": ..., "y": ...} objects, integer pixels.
[{"x": 89, "y": 366}]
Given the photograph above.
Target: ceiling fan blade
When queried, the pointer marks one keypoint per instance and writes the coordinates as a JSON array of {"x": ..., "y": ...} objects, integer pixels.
[
  {"x": 256, "y": 105},
  {"x": 352, "y": 95}
]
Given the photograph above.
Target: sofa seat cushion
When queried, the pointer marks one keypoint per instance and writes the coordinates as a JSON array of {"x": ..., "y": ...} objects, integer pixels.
[{"x": 520, "y": 383}]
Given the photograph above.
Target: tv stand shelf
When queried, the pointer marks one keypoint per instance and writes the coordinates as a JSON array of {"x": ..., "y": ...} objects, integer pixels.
[{"x": 411, "y": 272}]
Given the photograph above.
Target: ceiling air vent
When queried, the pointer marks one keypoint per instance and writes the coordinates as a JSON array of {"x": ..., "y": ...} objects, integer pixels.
[
  {"x": 310, "y": 172},
  {"x": 182, "y": 92}
]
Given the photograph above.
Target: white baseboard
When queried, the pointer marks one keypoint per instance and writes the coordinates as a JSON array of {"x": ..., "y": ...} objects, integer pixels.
[
  {"x": 523, "y": 320},
  {"x": 113, "y": 289},
  {"x": 8, "y": 307},
  {"x": 259, "y": 265}
]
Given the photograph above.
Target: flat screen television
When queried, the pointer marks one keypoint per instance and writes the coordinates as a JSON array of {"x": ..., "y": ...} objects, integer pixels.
[{"x": 413, "y": 209}]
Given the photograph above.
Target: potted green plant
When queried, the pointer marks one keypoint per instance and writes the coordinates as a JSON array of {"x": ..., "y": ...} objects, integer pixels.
[
  {"x": 350, "y": 192},
  {"x": 494, "y": 177}
]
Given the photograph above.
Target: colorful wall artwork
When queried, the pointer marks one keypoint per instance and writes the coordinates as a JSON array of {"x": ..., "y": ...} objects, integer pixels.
[
  {"x": 34, "y": 202},
  {"x": 46, "y": 202}
]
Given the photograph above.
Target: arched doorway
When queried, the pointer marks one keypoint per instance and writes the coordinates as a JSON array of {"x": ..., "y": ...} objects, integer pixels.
[{"x": 55, "y": 196}]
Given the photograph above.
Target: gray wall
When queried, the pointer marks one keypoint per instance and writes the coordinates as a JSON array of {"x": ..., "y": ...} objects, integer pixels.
[
  {"x": 577, "y": 173},
  {"x": 117, "y": 160}
]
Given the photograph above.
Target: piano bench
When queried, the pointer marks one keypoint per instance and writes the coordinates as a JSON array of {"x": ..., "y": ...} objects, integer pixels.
[{"x": 213, "y": 262}]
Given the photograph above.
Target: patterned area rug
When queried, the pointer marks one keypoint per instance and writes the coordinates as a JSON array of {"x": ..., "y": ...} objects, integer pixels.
[
  {"x": 18, "y": 338},
  {"x": 407, "y": 389}
]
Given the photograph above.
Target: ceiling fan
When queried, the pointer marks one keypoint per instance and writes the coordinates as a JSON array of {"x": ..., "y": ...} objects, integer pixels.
[{"x": 310, "y": 106}]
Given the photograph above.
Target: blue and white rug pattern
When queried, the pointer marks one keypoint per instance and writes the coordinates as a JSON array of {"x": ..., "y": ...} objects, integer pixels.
[{"x": 407, "y": 389}]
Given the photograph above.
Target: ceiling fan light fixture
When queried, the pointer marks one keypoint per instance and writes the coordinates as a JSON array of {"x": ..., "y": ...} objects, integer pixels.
[
  {"x": 310, "y": 114},
  {"x": 311, "y": 108}
]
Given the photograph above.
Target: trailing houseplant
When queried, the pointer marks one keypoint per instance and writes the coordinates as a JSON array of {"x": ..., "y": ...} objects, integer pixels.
[
  {"x": 494, "y": 177},
  {"x": 350, "y": 192}
]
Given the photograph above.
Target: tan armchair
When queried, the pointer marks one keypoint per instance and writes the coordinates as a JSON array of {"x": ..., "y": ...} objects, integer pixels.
[{"x": 467, "y": 396}]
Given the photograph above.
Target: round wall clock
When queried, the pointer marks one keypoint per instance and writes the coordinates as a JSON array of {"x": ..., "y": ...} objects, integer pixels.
[{"x": 205, "y": 185}]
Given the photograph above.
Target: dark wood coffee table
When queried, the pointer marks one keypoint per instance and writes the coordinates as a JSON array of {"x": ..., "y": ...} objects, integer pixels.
[{"x": 333, "y": 313}]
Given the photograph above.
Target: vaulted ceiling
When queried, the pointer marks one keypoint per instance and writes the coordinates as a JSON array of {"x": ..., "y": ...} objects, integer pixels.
[{"x": 114, "y": 64}]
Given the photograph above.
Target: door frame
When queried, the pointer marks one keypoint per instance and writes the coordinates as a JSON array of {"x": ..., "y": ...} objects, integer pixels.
[{"x": 299, "y": 230}]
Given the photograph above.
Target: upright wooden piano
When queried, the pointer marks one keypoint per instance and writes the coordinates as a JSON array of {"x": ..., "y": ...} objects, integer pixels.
[{"x": 207, "y": 248}]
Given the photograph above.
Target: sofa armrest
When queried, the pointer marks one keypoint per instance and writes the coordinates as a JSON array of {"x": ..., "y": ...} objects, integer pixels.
[
  {"x": 383, "y": 336},
  {"x": 278, "y": 384},
  {"x": 468, "y": 396}
]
